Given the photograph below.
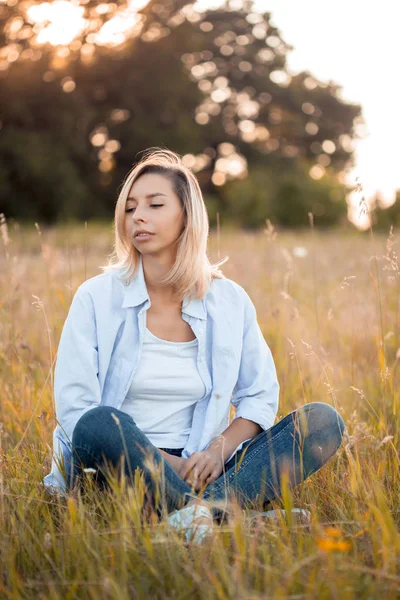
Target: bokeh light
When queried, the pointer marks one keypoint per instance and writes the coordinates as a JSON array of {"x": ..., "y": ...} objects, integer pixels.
[{"x": 65, "y": 21}]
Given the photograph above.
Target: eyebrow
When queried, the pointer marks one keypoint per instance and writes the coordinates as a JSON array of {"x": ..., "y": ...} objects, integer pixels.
[{"x": 149, "y": 195}]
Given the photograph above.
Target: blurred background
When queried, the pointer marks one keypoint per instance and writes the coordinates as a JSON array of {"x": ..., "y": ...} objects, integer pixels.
[{"x": 280, "y": 108}]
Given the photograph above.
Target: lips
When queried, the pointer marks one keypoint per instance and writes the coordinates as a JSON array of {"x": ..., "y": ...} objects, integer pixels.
[{"x": 143, "y": 232}]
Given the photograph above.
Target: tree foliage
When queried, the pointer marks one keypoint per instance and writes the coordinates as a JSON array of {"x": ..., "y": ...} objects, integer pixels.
[{"x": 212, "y": 86}]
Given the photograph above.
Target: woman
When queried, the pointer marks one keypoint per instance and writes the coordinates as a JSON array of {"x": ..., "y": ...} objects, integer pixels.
[{"x": 155, "y": 350}]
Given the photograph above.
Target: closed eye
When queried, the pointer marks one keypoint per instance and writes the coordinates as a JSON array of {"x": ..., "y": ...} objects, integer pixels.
[{"x": 153, "y": 205}]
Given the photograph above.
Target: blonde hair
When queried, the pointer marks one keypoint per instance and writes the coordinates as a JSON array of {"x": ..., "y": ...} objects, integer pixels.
[{"x": 192, "y": 271}]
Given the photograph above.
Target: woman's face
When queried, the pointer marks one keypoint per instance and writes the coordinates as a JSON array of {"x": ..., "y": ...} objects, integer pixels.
[{"x": 153, "y": 205}]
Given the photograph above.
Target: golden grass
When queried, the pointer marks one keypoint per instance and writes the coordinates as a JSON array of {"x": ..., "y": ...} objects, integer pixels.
[{"x": 332, "y": 320}]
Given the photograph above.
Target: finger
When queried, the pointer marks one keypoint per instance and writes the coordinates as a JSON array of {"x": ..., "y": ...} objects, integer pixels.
[
  {"x": 208, "y": 468},
  {"x": 195, "y": 484},
  {"x": 204, "y": 471},
  {"x": 199, "y": 472},
  {"x": 198, "y": 486},
  {"x": 188, "y": 466},
  {"x": 214, "y": 475},
  {"x": 199, "y": 468}
]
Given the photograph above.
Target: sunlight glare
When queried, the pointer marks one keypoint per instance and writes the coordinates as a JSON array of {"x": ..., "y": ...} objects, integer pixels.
[
  {"x": 115, "y": 31},
  {"x": 66, "y": 21}
]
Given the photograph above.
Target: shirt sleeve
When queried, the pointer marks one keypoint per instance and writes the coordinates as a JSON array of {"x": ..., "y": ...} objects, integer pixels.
[
  {"x": 256, "y": 393},
  {"x": 76, "y": 384}
]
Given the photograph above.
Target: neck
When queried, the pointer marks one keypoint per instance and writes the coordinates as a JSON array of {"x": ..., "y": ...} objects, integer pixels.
[{"x": 154, "y": 270}]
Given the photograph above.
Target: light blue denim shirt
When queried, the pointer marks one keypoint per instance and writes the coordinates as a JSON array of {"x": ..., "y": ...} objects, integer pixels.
[{"x": 100, "y": 349}]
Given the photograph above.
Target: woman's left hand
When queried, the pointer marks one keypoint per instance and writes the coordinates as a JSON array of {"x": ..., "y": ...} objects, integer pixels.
[{"x": 202, "y": 468}]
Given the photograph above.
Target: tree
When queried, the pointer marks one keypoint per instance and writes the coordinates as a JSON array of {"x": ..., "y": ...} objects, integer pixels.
[{"x": 213, "y": 87}]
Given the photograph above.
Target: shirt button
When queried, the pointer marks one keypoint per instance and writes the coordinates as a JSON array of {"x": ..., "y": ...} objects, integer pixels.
[{"x": 200, "y": 331}]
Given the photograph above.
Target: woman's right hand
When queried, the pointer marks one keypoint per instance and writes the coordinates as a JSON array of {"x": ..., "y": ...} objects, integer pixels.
[
  {"x": 181, "y": 465},
  {"x": 176, "y": 462}
]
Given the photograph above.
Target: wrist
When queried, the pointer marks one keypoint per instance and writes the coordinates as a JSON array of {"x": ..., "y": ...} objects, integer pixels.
[
  {"x": 239, "y": 430},
  {"x": 174, "y": 461},
  {"x": 219, "y": 449}
]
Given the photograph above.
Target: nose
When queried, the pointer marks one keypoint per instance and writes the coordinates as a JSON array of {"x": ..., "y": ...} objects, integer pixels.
[{"x": 135, "y": 217}]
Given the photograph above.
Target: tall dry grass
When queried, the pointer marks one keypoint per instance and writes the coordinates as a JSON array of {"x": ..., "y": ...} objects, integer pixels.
[{"x": 328, "y": 304}]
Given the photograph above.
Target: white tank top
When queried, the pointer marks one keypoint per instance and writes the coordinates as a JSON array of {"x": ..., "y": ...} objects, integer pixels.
[{"x": 164, "y": 391}]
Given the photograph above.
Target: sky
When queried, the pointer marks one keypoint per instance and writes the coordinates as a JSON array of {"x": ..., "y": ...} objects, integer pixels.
[{"x": 355, "y": 44}]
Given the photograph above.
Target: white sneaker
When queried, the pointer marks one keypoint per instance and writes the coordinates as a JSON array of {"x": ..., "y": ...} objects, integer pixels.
[{"x": 185, "y": 520}]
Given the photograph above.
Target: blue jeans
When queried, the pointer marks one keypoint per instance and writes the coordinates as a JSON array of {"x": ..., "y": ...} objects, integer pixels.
[{"x": 298, "y": 445}]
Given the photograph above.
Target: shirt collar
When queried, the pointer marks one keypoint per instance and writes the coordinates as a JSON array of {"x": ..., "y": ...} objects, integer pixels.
[{"x": 136, "y": 293}]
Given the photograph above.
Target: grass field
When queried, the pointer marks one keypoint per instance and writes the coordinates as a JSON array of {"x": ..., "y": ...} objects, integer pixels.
[{"x": 329, "y": 307}]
